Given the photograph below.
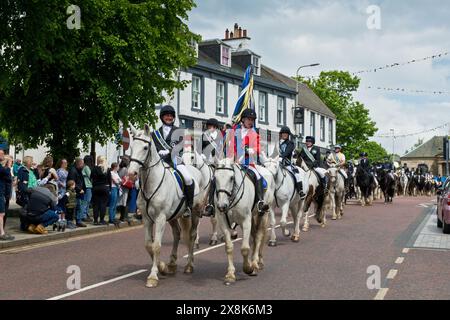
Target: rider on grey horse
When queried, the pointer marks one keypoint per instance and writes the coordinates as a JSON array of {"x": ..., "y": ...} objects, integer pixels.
[
  {"x": 212, "y": 144},
  {"x": 165, "y": 143},
  {"x": 311, "y": 156},
  {"x": 287, "y": 148},
  {"x": 337, "y": 159}
]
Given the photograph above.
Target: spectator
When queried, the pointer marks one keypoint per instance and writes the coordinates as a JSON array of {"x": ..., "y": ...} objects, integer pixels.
[
  {"x": 49, "y": 174},
  {"x": 16, "y": 167},
  {"x": 76, "y": 174},
  {"x": 123, "y": 196},
  {"x": 8, "y": 186},
  {"x": 132, "y": 202},
  {"x": 5, "y": 176},
  {"x": 42, "y": 208},
  {"x": 62, "y": 176},
  {"x": 26, "y": 180},
  {"x": 88, "y": 165},
  {"x": 100, "y": 190},
  {"x": 115, "y": 181},
  {"x": 70, "y": 203}
]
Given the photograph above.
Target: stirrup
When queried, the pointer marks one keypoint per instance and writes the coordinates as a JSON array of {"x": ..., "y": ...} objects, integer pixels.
[
  {"x": 209, "y": 211},
  {"x": 262, "y": 207},
  {"x": 302, "y": 195},
  {"x": 187, "y": 213}
]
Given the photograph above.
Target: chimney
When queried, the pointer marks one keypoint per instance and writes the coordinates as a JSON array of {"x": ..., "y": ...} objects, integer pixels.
[
  {"x": 245, "y": 33},
  {"x": 236, "y": 29},
  {"x": 240, "y": 32},
  {"x": 231, "y": 35},
  {"x": 227, "y": 34}
]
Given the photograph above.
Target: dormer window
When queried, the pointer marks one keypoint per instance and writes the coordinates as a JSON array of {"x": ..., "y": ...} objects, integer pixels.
[
  {"x": 225, "y": 55},
  {"x": 256, "y": 66}
]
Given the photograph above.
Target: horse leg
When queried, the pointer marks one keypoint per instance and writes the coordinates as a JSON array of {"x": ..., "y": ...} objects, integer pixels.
[
  {"x": 306, "y": 212},
  {"x": 259, "y": 231},
  {"x": 283, "y": 221},
  {"x": 230, "y": 277},
  {"x": 296, "y": 215},
  {"x": 245, "y": 247},
  {"x": 158, "y": 265},
  {"x": 191, "y": 228},
  {"x": 214, "y": 239},
  {"x": 273, "y": 235},
  {"x": 176, "y": 233},
  {"x": 197, "y": 239}
]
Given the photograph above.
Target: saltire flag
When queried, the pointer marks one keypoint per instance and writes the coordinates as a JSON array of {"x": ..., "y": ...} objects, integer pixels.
[{"x": 246, "y": 99}]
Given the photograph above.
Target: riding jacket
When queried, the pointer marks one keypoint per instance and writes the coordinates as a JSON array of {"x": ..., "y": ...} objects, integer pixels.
[
  {"x": 287, "y": 148},
  {"x": 166, "y": 143},
  {"x": 315, "y": 152},
  {"x": 244, "y": 145}
]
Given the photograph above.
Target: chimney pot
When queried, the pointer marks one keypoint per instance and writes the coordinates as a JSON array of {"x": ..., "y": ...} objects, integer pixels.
[
  {"x": 245, "y": 33},
  {"x": 236, "y": 29},
  {"x": 240, "y": 32},
  {"x": 227, "y": 34},
  {"x": 231, "y": 35}
]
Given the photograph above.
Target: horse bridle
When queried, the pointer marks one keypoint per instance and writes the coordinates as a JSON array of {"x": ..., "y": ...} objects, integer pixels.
[
  {"x": 230, "y": 193},
  {"x": 149, "y": 153}
]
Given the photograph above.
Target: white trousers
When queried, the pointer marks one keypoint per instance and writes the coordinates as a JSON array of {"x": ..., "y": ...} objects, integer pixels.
[
  {"x": 186, "y": 174},
  {"x": 258, "y": 176},
  {"x": 343, "y": 173},
  {"x": 321, "y": 171},
  {"x": 297, "y": 175}
]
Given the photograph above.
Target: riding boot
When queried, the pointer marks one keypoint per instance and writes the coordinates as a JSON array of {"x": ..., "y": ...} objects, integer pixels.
[
  {"x": 189, "y": 193},
  {"x": 262, "y": 207},
  {"x": 209, "y": 210},
  {"x": 299, "y": 187},
  {"x": 325, "y": 185}
]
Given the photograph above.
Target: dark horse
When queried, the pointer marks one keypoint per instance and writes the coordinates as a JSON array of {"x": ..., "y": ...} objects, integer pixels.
[
  {"x": 421, "y": 184},
  {"x": 364, "y": 180},
  {"x": 412, "y": 185},
  {"x": 387, "y": 185}
]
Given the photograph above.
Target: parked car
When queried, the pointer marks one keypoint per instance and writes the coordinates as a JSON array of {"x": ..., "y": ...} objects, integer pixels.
[{"x": 443, "y": 207}]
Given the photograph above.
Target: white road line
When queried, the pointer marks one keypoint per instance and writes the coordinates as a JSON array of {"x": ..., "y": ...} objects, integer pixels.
[
  {"x": 381, "y": 294},
  {"x": 406, "y": 250},
  {"x": 392, "y": 273},
  {"x": 65, "y": 295},
  {"x": 399, "y": 260}
]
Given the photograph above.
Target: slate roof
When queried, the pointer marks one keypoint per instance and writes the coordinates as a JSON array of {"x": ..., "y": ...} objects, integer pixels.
[{"x": 430, "y": 149}]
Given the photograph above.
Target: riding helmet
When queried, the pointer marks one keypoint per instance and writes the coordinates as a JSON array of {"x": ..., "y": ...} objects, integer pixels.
[
  {"x": 212, "y": 122},
  {"x": 285, "y": 130},
  {"x": 167, "y": 110},
  {"x": 311, "y": 139},
  {"x": 338, "y": 146},
  {"x": 363, "y": 154},
  {"x": 249, "y": 113}
]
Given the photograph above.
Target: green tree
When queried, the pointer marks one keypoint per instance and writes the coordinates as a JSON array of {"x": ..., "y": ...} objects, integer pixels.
[
  {"x": 375, "y": 151},
  {"x": 354, "y": 126},
  {"x": 59, "y": 85}
]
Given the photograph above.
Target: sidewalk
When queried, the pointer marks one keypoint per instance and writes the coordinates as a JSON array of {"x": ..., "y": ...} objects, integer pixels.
[{"x": 25, "y": 238}]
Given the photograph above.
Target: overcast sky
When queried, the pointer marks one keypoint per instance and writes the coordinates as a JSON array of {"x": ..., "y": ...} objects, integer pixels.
[{"x": 290, "y": 33}]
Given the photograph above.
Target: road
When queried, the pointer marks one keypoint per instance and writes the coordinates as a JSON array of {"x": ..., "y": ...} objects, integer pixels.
[{"x": 329, "y": 263}]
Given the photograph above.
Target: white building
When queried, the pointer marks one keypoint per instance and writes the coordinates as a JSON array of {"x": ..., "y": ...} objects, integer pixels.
[{"x": 214, "y": 88}]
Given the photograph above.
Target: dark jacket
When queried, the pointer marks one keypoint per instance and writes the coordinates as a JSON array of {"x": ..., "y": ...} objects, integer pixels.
[
  {"x": 365, "y": 164},
  {"x": 77, "y": 176},
  {"x": 41, "y": 200},
  {"x": 170, "y": 143},
  {"x": 5, "y": 182},
  {"x": 315, "y": 151},
  {"x": 99, "y": 178},
  {"x": 287, "y": 148},
  {"x": 210, "y": 146}
]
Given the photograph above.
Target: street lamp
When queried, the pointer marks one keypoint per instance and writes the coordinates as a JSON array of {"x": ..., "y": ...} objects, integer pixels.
[
  {"x": 297, "y": 99},
  {"x": 393, "y": 145}
]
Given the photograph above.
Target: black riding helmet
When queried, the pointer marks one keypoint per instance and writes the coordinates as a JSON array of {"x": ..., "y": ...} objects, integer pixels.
[
  {"x": 363, "y": 154},
  {"x": 285, "y": 130},
  {"x": 249, "y": 113},
  {"x": 311, "y": 139},
  {"x": 213, "y": 122},
  {"x": 167, "y": 110}
]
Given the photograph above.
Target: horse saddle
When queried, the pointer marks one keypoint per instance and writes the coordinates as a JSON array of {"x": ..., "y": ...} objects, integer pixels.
[
  {"x": 178, "y": 177},
  {"x": 291, "y": 173},
  {"x": 252, "y": 177}
]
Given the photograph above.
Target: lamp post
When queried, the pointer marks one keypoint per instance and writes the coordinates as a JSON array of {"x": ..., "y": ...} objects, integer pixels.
[
  {"x": 393, "y": 145},
  {"x": 297, "y": 97}
]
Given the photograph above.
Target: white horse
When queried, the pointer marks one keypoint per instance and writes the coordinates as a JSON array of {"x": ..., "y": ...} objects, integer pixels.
[
  {"x": 235, "y": 203},
  {"x": 161, "y": 200},
  {"x": 287, "y": 199},
  {"x": 404, "y": 182},
  {"x": 337, "y": 193}
]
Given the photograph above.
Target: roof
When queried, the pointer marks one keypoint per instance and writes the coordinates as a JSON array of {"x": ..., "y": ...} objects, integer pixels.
[
  {"x": 430, "y": 149},
  {"x": 212, "y": 42},
  {"x": 307, "y": 98}
]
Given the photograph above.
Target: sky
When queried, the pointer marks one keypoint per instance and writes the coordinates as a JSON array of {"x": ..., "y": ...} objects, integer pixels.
[{"x": 290, "y": 33}]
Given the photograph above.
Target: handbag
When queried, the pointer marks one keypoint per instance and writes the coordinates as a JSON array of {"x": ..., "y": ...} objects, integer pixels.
[{"x": 127, "y": 183}]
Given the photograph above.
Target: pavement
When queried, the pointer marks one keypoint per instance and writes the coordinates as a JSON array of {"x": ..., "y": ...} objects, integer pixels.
[{"x": 328, "y": 263}]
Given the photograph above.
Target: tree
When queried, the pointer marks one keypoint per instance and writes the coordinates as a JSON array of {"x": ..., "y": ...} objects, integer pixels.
[
  {"x": 59, "y": 85},
  {"x": 375, "y": 151},
  {"x": 354, "y": 126}
]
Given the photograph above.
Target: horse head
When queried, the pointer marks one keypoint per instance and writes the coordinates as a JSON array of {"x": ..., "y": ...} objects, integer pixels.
[
  {"x": 225, "y": 181},
  {"x": 332, "y": 174},
  {"x": 142, "y": 149},
  {"x": 272, "y": 165}
]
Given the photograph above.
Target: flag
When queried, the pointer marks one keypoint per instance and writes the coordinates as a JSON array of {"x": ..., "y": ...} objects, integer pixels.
[{"x": 246, "y": 99}]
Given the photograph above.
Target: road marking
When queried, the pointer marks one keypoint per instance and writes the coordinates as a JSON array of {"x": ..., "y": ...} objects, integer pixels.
[
  {"x": 423, "y": 205},
  {"x": 65, "y": 295},
  {"x": 392, "y": 273},
  {"x": 381, "y": 294},
  {"x": 406, "y": 250},
  {"x": 399, "y": 260},
  {"x": 71, "y": 239}
]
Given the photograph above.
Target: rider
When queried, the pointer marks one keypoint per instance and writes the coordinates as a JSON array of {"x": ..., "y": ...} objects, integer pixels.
[
  {"x": 337, "y": 159},
  {"x": 211, "y": 144},
  {"x": 311, "y": 156},
  {"x": 245, "y": 145},
  {"x": 287, "y": 148},
  {"x": 164, "y": 143},
  {"x": 405, "y": 168}
]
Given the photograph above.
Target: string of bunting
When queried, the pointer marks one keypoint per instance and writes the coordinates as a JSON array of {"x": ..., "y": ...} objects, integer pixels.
[
  {"x": 437, "y": 92},
  {"x": 394, "y": 65},
  {"x": 387, "y": 135}
]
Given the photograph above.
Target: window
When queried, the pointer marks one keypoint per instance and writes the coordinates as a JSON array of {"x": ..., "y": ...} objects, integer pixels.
[
  {"x": 256, "y": 65},
  {"x": 262, "y": 109},
  {"x": 225, "y": 60},
  {"x": 312, "y": 124},
  {"x": 322, "y": 128},
  {"x": 220, "y": 97},
  {"x": 196, "y": 93},
  {"x": 330, "y": 131},
  {"x": 281, "y": 102}
]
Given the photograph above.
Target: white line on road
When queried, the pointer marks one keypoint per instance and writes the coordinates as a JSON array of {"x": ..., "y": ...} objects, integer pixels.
[
  {"x": 399, "y": 260},
  {"x": 65, "y": 295},
  {"x": 381, "y": 294},
  {"x": 392, "y": 273}
]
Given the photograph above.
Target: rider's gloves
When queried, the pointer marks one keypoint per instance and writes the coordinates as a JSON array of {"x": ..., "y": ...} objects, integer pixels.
[{"x": 163, "y": 153}]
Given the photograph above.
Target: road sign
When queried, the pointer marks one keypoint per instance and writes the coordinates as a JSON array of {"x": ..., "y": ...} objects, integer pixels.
[{"x": 125, "y": 140}]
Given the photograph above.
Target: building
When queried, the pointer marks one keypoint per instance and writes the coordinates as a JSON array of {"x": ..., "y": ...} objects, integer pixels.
[
  {"x": 431, "y": 154},
  {"x": 214, "y": 88}
]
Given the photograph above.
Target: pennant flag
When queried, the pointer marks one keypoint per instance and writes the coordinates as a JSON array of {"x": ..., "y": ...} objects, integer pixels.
[{"x": 246, "y": 99}]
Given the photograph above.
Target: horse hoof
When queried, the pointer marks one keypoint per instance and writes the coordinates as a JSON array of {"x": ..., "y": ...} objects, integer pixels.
[
  {"x": 334, "y": 218},
  {"x": 249, "y": 270},
  {"x": 229, "y": 280},
  {"x": 188, "y": 269},
  {"x": 305, "y": 229},
  {"x": 253, "y": 274},
  {"x": 213, "y": 243},
  {"x": 295, "y": 239},
  {"x": 340, "y": 218},
  {"x": 152, "y": 283},
  {"x": 171, "y": 269},
  {"x": 322, "y": 225},
  {"x": 287, "y": 234},
  {"x": 162, "y": 268},
  {"x": 272, "y": 243},
  {"x": 261, "y": 266}
]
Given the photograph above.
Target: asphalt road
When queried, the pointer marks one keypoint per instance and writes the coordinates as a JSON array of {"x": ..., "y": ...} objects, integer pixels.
[{"x": 329, "y": 263}]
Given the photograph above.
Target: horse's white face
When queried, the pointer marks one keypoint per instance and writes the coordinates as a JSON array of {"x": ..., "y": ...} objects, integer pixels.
[
  {"x": 332, "y": 174},
  {"x": 140, "y": 148},
  {"x": 272, "y": 165},
  {"x": 224, "y": 175}
]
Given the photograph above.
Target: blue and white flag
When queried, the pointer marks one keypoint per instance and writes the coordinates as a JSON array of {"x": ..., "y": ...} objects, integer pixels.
[{"x": 246, "y": 99}]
